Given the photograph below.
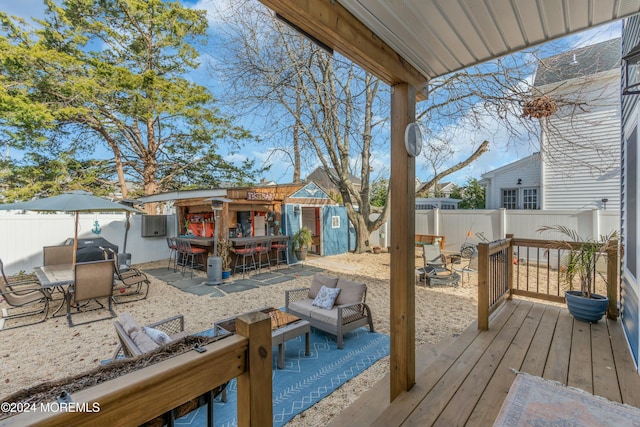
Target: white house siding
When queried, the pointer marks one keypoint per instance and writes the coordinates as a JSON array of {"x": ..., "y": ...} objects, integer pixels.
[
  {"x": 580, "y": 152},
  {"x": 527, "y": 170},
  {"x": 630, "y": 217}
]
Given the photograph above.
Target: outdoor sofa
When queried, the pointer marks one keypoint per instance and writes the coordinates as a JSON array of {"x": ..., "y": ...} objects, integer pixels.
[{"x": 348, "y": 312}]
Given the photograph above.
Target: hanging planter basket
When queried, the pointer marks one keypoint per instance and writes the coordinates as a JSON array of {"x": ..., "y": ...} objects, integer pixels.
[{"x": 539, "y": 107}]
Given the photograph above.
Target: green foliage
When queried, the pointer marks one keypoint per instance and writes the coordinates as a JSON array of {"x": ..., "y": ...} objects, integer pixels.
[
  {"x": 115, "y": 73},
  {"x": 379, "y": 192},
  {"x": 472, "y": 195},
  {"x": 302, "y": 239},
  {"x": 582, "y": 255},
  {"x": 42, "y": 176}
]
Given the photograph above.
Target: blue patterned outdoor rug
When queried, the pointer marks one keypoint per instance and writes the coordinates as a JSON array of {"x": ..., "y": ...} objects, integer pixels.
[{"x": 305, "y": 380}]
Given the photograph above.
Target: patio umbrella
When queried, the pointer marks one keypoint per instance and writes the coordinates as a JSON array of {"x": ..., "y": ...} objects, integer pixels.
[{"x": 73, "y": 201}]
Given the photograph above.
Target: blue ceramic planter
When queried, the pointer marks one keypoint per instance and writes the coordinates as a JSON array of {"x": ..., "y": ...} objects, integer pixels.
[{"x": 586, "y": 309}]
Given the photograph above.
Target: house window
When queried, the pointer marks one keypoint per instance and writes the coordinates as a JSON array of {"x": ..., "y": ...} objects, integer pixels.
[
  {"x": 530, "y": 198},
  {"x": 335, "y": 222},
  {"x": 510, "y": 199}
]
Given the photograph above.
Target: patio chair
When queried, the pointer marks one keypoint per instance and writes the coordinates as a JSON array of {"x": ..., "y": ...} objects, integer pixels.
[
  {"x": 281, "y": 248},
  {"x": 135, "y": 341},
  {"x": 128, "y": 283},
  {"x": 23, "y": 301},
  {"x": 172, "y": 243},
  {"x": 55, "y": 255},
  {"x": 470, "y": 267},
  {"x": 262, "y": 251},
  {"x": 93, "y": 280},
  {"x": 247, "y": 254},
  {"x": 19, "y": 282},
  {"x": 188, "y": 255},
  {"x": 433, "y": 257},
  {"x": 435, "y": 271}
]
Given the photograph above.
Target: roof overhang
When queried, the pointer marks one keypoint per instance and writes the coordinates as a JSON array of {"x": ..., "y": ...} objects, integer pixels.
[{"x": 182, "y": 195}]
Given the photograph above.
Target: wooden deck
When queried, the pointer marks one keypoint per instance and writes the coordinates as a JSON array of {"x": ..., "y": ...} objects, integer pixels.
[{"x": 466, "y": 382}]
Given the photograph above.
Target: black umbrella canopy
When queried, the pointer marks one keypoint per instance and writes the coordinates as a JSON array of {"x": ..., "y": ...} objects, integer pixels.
[{"x": 73, "y": 201}]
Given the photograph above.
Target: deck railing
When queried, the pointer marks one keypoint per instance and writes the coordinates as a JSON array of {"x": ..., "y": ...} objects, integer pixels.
[
  {"x": 534, "y": 269},
  {"x": 494, "y": 271},
  {"x": 138, "y": 397}
]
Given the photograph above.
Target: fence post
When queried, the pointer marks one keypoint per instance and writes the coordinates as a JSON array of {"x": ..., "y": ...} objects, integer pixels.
[
  {"x": 483, "y": 286},
  {"x": 613, "y": 279},
  {"x": 510, "y": 262},
  {"x": 255, "y": 406}
]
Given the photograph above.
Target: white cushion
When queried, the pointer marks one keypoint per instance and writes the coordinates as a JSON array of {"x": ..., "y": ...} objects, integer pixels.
[
  {"x": 158, "y": 336},
  {"x": 326, "y": 297}
]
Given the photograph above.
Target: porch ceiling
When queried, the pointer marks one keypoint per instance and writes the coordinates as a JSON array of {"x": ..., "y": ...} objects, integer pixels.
[
  {"x": 416, "y": 40},
  {"x": 438, "y": 37}
]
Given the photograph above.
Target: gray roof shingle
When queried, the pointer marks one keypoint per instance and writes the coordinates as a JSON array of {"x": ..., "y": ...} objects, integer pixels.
[{"x": 588, "y": 60}]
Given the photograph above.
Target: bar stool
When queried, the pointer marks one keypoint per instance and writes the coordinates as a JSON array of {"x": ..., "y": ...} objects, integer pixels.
[
  {"x": 263, "y": 250},
  {"x": 172, "y": 243},
  {"x": 281, "y": 247},
  {"x": 247, "y": 253},
  {"x": 189, "y": 255}
]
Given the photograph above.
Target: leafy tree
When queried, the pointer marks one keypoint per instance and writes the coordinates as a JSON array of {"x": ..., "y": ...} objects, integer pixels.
[
  {"x": 41, "y": 176},
  {"x": 472, "y": 195},
  {"x": 113, "y": 73},
  {"x": 379, "y": 192}
]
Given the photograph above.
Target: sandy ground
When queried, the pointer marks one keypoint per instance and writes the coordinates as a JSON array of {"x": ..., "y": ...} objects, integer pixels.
[{"x": 52, "y": 351}]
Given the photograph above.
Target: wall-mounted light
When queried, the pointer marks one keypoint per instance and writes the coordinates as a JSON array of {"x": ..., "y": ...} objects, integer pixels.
[
  {"x": 519, "y": 181},
  {"x": 632, "y": 72},
  {"x": 604, "y": 204}
]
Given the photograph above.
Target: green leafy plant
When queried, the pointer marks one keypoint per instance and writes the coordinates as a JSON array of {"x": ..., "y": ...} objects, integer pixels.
[
  {"x": 582, "y": 256},
  {"x": 302, "y": 239}
]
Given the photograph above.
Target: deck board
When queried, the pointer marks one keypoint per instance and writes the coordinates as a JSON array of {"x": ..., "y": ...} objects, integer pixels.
[
  {"x": 468, "y": 381},
  {"x": 489, "y": 404},
  {"x": 605, "y": 381},
  {"x": 466, "y": 396},
  {"x": 580, "y": 366},
  {"x": 536, "y": 357},
  {"x": 557, "y": 365},
  {"x": 457, "y": 360}
]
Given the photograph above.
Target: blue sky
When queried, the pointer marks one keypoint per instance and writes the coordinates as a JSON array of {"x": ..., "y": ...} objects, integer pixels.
[{"x": 503, "y": 149}]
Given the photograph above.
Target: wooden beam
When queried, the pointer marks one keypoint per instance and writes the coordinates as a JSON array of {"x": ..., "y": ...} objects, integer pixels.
[
  {"x": 332, "y": 24},
  {"x": 402, "y": 199},
  {"x": 255, "y": 409}
]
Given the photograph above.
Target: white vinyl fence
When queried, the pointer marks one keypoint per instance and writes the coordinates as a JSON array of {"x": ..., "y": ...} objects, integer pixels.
[
  {"x": 460, "y": 226},
  {"x": 23, "y": 237}
]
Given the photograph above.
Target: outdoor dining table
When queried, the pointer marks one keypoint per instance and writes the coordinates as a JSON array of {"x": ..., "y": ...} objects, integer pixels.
[{"x": 58, "y": 276}]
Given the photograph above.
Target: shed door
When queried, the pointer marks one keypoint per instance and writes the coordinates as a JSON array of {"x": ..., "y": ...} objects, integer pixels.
[{"x": 335, "y": 230}]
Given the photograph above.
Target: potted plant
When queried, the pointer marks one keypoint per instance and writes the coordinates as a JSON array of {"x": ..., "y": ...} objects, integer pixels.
[
  {"x": 224, "y": 252},
  {"x": 581, "y": 259},
  {"x": 301, "y": 241}
]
